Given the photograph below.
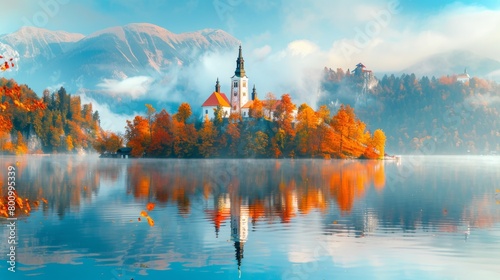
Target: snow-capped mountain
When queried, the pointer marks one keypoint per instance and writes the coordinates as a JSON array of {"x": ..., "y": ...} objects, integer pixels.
[
  {"x": 48, "y": 58},
  {"x": 32, "y": 42}
]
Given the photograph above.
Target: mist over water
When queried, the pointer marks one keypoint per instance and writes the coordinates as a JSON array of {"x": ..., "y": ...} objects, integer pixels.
[{"x": 429, "y": 217}]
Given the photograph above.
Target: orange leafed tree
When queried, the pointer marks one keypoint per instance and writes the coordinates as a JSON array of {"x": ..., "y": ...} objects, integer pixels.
[
  {"x": 107, "y": 141},
  {"x": 307, "y": 123},
  {"x": 162, "y": 138},
  {"x": 207, "y": 135},
  {"x": 378, "y": 142},
  {"x": 137, "y": 135},
  {"x": 184, "y": 134},
  {"x": 14, "y": 98},
  {"x": 234, "y": 133},
  {"x": 257, "y": 109}
]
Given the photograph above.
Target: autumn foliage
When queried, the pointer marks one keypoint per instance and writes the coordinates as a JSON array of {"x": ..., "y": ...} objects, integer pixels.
[
  {"x": 57, "y": 122},
  {"x": 452, "y": 114},
  {"x": 283, "y": 132}
]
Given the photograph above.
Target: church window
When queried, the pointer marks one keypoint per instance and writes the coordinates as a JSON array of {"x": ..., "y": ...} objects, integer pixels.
[
  {"x": 244, "y": 84},
  {"x": 234, "y": 107},
  {"x": 235, "y": 84},
  {"x": 244, "y": 94},
  {"x": 245, "y": 114},
  {"x": 206, "y": 112},
  {"x": 235, "y": 93}
]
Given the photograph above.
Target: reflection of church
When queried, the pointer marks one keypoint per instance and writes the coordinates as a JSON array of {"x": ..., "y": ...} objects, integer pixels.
[
  {"x": 234, "y": 206},
  {"x": 239, "y": 226}
]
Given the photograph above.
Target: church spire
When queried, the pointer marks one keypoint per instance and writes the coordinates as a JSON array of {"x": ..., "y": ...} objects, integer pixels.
[
  {"x": 240, "y": 65},
  {"x": 217, "y": 86},
  {"x": 239, "y": 253},
  {"x": 254, "y": 93}
]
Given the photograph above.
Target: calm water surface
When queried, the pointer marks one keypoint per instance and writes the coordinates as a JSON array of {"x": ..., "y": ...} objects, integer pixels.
[{"x": 421, "y": 218}]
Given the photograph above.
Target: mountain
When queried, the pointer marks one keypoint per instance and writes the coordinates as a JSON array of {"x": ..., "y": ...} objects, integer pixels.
[
  {"x": 36, "y": 46},
  {"x": 32, "y": 42},
  {"x": 455, "y": 62},
  {"x": 49, "y": 58}
]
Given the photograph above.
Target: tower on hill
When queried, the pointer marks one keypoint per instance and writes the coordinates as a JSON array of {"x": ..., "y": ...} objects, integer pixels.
[{"x": 239, "y": 85}]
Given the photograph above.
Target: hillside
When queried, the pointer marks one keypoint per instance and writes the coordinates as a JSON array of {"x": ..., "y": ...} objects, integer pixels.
[{"x": 426, "y": 115}]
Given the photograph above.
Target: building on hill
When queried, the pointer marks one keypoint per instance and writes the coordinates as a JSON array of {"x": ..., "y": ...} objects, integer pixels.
[
  {"x": 366, "y": 78},
  {"x": 239, "y": 101},
  {"x": 360, "y": 70},
  {"x": 245, "y": 109},
  {"x": 217, "y": 98},
  {"x": 464, "y": 77},
  {"x": 239, "y": 85}
]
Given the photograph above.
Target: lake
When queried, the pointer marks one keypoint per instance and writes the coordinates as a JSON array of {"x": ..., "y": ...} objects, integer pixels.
[{"x": 432, "y": 217}]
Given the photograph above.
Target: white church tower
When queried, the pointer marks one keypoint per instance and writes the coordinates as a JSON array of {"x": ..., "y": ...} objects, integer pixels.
[{"x": 239, "y": 86}]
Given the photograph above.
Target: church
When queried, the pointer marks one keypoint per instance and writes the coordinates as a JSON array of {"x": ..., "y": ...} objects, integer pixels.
[{"x": 240, "y": 99}]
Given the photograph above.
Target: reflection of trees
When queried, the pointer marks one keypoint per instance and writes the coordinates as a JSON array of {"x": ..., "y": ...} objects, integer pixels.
[
  {"x": 171, "y": 182},
  {"x": 285, "y": 189},
  {"x": 60, "y": 182}
]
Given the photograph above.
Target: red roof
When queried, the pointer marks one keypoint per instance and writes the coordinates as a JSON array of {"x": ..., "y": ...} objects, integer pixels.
[
  {"x": 248, "y": 104},
  {"x": 275, "y": 105},
  {"x": 216, "y": 99}
]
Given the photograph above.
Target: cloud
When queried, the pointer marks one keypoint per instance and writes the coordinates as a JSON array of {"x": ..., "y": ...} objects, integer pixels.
[
  {"x": 388, "y": 39},
  {"x": 306, "y": 17},
  {"x": 302, "y": 48},
  {"x": 109, "y": 120},
  {"x": 295, "y": 70},
  {"x": 133, "y": 87},
  {"x": 487, "y": 99},
  {"x": 262, "y": 53},
  {"x": 402, "y": 42}
]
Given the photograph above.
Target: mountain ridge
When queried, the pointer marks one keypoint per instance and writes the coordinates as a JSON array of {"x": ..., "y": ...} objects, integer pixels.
[{"x": 54, "y": 58}]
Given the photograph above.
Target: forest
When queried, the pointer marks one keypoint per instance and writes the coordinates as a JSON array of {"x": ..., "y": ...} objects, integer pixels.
[
  {"x": 64, "y": 125},
  {"x": 423, "y": 115},
  {"x": 57, "y": 121},
  {"x": 410, "y": 113},
  {"x": 310, "y": 134}
]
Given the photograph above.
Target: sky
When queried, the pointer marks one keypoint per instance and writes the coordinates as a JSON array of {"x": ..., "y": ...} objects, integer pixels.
[
  {"x": 287, "y": 42},
  {"x": 381, "y": 32}
]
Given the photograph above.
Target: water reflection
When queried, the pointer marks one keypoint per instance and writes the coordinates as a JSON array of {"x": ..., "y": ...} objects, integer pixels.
[{"x": 199, "y": 206}]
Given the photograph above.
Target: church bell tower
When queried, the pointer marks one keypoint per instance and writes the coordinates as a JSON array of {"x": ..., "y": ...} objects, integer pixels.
[{"x": 239, "y": 85}]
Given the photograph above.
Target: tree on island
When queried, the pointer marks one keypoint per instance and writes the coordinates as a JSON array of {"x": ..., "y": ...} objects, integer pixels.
[{"x": 292, "y": 133}]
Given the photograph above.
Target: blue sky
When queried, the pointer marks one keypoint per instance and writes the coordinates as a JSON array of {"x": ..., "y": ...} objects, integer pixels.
[
  {"x": 245, "y": 19},
  {"x": 269, "y": 27}
]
